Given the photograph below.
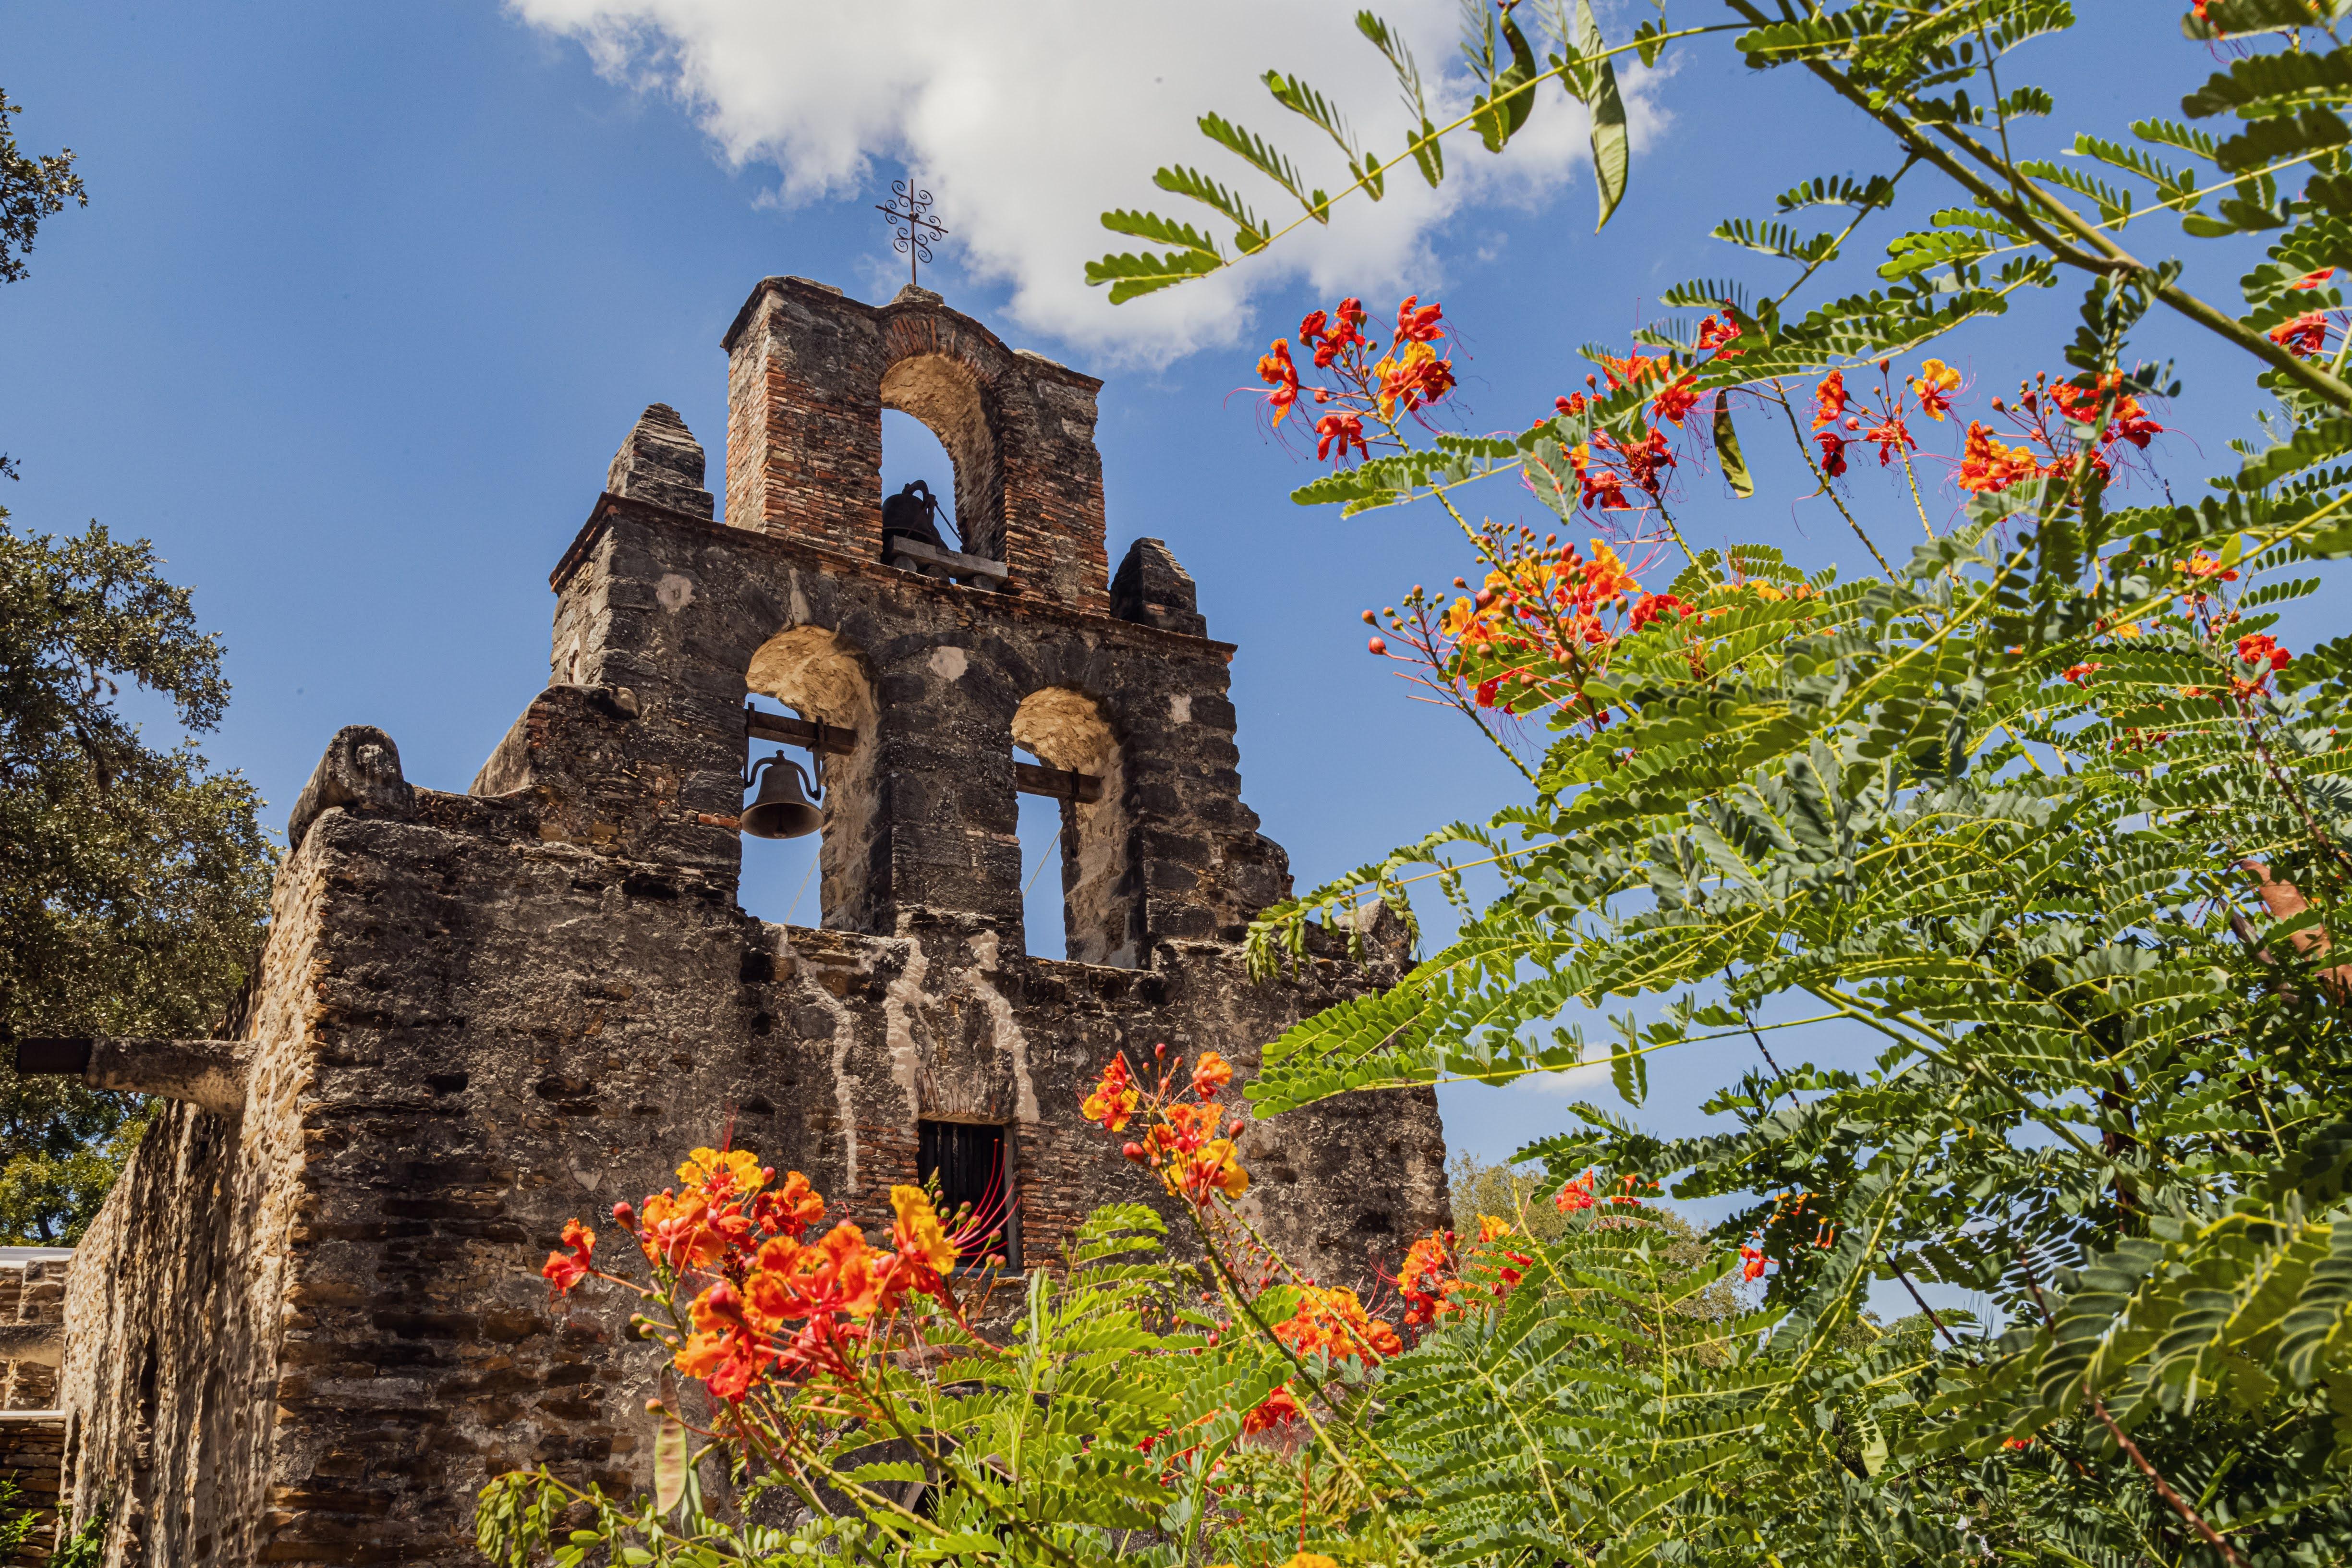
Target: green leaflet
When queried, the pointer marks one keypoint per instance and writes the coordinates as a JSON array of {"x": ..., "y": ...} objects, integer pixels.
[
  {"x": 1727, "y": 451},
  {"x": 1612, "y": 148}
]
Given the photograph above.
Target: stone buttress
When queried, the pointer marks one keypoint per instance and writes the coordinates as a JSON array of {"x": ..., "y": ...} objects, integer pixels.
[{"x": 310, "y": 1324}]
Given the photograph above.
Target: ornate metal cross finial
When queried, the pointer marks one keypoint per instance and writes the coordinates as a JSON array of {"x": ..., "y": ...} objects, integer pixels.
[{"x": 915, "y": 227}]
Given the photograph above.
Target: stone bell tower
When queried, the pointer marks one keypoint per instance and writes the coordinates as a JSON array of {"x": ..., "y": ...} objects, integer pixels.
[{"x": 309, "y": 1324}]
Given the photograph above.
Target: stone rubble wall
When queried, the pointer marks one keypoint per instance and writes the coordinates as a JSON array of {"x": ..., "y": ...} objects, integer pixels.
[{"x": 310, "y": 1331}]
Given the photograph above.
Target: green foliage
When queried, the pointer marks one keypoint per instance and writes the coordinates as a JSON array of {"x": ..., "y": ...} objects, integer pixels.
[
  {"x": 134, "y": 880},
  {"x": 32, "y": 187}
]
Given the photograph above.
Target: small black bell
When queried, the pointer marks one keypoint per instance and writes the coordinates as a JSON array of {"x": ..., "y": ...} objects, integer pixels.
[
  {"x": 781, "y": 808},
  {"x": 913, "y": 513}
]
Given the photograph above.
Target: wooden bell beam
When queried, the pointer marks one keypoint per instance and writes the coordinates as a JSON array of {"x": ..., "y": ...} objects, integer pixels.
[{"x": 1029, "y": 778}]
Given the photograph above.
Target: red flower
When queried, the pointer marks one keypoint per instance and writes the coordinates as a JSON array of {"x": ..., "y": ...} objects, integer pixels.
[
  {"x": 2309, "y": 279},
  {"x": 2302, "y": 337},
  {"x": 1346, "y": 429},
  {"x": 1832, "y": 453},
  {"x": 1653, "y": 607},
  {"x": 1330, "y": 342},
  {"x": 1576, "y": 1196},
  {"x": 1752, "y": 1263},
  {"x": 1892, "y": 438},
  {"x": 564, "y": 1271},
  {"x": 1418, "y": 326},
  {"x": 1571, "y": 405},
  {"x": 1713, "y": 333},
  {"x": 1273, "y": 368},
  {"x": 1676, "y": 400},
  {"x": 2257, "y": 649},
  {"x": 1277, "y": 1409},
  {"x": 1830, "y": 399},
  {"x": 1210, "y": 1074},
  {"x": 2079, "y": 674}
]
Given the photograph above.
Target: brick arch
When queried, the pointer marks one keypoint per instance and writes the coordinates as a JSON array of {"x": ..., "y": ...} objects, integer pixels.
[
  {"x": 808, "y": 373},
  {"x": 957, "y": 402}
]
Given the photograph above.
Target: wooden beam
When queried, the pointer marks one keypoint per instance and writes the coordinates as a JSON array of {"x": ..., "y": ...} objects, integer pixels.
[
  {"x": 800, "y": 733},
  {"x": 1059, "y": 782}
]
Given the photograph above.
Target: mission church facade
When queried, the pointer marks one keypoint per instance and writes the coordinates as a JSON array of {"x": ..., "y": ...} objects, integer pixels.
[{"x": 308, "y": 1323}]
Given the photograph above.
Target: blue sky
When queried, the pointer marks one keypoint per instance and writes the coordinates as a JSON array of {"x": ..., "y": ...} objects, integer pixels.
[{"x": 366, "y": 296}]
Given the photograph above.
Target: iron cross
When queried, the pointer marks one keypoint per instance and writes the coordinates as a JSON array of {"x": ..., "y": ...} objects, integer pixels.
[{"x": 914, "y": 227}]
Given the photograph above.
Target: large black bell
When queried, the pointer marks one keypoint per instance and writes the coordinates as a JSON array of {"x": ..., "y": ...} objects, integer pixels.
[
  {"x": 913, "y": 513},
  {"x": 781, "y": 809}
]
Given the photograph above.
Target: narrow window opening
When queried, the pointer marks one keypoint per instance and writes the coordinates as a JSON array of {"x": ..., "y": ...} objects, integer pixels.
[
  {"x": 972, "y": 1163},
  {"x": 1045, "y": 860},
  {"x": 912, "y": 455}
]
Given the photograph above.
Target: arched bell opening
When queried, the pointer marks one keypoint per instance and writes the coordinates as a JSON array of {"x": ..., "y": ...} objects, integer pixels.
[
  {"x": 1078, "y": 778},
  {"x": 824, "y": 878},
  {"x": 942, "y": 394}
]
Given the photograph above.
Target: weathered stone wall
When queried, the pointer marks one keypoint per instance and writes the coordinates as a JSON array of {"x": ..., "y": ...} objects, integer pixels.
[
  {"x": 309, "y": 1332},
  {"x": 32, "y": 1449}
]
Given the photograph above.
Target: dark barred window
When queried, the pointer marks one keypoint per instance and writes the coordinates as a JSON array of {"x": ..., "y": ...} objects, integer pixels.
[{"x": 969, "y": 1161}]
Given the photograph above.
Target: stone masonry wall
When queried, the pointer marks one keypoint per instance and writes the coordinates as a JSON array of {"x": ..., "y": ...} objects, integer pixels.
[{"x": 307, "y": 1333}]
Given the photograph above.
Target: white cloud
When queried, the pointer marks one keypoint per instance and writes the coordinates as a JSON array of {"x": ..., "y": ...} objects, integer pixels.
[{"x": 1027, "y": 119}]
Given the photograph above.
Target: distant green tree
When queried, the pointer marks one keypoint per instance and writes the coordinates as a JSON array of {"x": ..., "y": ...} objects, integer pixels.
[
  {"x": 32, "y": 187},
  {"x": 134, "y": 880}
]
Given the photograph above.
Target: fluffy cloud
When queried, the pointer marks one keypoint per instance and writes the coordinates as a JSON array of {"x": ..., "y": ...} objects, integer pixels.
[{"x": 1027, "y": 119}]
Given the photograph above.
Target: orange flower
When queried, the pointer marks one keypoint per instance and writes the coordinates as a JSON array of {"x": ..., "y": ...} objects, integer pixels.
[
  {"x": 1713, "y": 333},
  {"x": 688, "y": 1231},
  {"x": 1273, "y": 368},
  {"x": 2302, "y": 337},
  {"x": 791, "y": 1209},
  {"x": 1346, "y": 430},
  {"x": 2313, "y": 279},
  {"x": 1633, "y": 370},
  {"x": 1430, "y": 1280},
  {"x": 724, "y": 1173},
  {"x": 836, "y": 1275},
  {"x": 1830, "y": 400},
  {"x": 918, "y": 1235},
  {"x": 1417, "y": 378},
  {"x": 2079, "y": 674},
  {"x": 1113, "y": 1099},
  {"x": 1935, "y": 385},
  {"x": 1989, "y": 467},
  {"x": 1210, "y": 1074},
  {"x": 1574, "y": 1198},
  {"x": 1211, "y": 1170},
  {"x": 1752, "y": 1263},
  {"x": 1331, "y": 1323},
  {"x": 563, "y": 1270}
]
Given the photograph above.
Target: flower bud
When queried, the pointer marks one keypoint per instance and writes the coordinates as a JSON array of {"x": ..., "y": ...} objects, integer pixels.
[
  {"x": 1370, "y": 620},
  {"x": 1133, "y": 1152},
  {"x": 1377, "y": 646},
  {"x": 624, "y": 1215},
  {"x": 1160, "y": 1049},
  {"x": 1999, "y": 406}
]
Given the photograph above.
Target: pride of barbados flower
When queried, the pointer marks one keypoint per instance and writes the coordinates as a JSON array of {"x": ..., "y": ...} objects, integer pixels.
[{"x": 774, "y": 1304}]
